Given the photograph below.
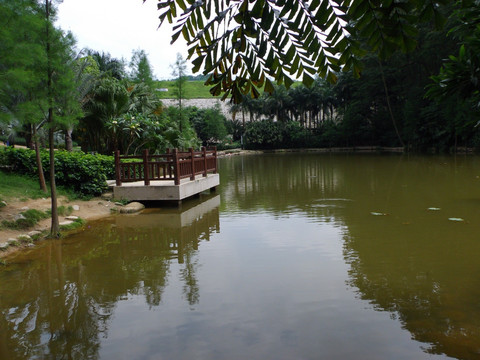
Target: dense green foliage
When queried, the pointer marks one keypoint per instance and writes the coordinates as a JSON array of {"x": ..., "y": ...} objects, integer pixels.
[
  {"x": 382, "y": 102},
  {"x": 267, "y": 134},
  {"x": 249, "y": 43},
  {"x": 388, "y": 104},
  {"x": 37, "y": 70},
  {"x": 209, "y": 124},
  {"x": 86, "y": 174},
  {"x": 459, "y": 76}
]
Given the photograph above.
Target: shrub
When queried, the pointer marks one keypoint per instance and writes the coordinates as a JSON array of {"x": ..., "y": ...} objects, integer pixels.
[
  {"x": 264, "y": 134},
  {"x": 267, "y": 134},
  {"x": 209, "y": 125},
  {"x": 86, "y": 174}
]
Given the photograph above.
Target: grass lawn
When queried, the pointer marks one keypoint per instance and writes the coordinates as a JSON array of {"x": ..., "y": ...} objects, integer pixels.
[
  {"x": 19, "y": 187},
  {"x": 14, "y": 186}
]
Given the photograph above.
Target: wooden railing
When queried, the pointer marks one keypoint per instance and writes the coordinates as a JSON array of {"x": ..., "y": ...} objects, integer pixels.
[{"x": 174, "y": 165}]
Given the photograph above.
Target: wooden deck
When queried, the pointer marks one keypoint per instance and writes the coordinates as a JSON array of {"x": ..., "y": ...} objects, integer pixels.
[{"x": 173, "y": 176}]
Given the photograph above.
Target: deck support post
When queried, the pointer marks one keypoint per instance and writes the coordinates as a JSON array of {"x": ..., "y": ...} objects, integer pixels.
[
  {"x": 215, "y": 157},
  {"x": 117, "y": 168},
  {"x": 169, "y": 168},
  {"x": 146, "y": 168}
]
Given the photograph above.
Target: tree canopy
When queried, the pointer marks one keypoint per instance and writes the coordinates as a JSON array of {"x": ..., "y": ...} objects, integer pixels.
[
  {"x": 141, "y": 69},
  {"x": 244, "y": 45},
  {"x": 460, "y": 73}
]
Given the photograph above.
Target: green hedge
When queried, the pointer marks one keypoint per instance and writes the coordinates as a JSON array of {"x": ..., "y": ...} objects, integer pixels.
[{"x": 86, "y": 174}]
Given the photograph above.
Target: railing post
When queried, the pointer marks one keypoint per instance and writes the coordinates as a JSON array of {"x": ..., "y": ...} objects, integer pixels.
[
  {"x": 117, "y": 169},
  {"x": 169, "y": 169},
  {"x": 146, "y": 170},
  {"x": 215, "y": 157},
  {"x": 204, "y": 152},
  {"x": 192, "y": 159},
  {"x": 176, "y": 167}
]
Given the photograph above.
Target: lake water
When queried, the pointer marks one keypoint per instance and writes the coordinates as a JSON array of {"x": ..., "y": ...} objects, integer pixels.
[{"x": 295, "y": 256}]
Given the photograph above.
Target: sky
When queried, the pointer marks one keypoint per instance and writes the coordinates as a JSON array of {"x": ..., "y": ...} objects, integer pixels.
[{"x": 119, "y": 27}]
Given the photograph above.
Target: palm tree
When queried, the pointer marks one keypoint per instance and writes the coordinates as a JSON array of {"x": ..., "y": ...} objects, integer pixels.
[
  {"x": 108, "y": 101},
  {"x": 85, "y": 81},
  {"x": 107, "y": 65},
  {"x": 276, "y": 104}
]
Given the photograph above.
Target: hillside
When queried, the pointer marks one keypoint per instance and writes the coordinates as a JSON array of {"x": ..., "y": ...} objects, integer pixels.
[{"x": 194, "y": 89}]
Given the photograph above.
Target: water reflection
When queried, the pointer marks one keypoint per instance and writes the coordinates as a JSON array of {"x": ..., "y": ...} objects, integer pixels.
[
  {"x": 425, "y": 272},
  {"x": 301, "y": 269},
  {"x": 412, "y": 262},
  {"x": 58, "y": 300},
  {"x": 284, "y": 184}
]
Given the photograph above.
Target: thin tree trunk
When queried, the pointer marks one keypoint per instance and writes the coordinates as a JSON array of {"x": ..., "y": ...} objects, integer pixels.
[
  {"x": 55, "y": 227},
  {"x": 389, "y": 105},
  {"x": 41, "y": 177},
  {"x": 29, "y": 137}
]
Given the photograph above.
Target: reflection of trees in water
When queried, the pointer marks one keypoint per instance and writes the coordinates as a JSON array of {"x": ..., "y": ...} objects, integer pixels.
[
  {"x": 276, "y": 182},
  {"x": 57, "y": 302},
  {"x": 190, "y": 288},
  {"x": 416, "y": 264},
  {"x": 432, "y": 293},
  {"x": 60, "y": 321},
  {"x": 422, "y": 272}
]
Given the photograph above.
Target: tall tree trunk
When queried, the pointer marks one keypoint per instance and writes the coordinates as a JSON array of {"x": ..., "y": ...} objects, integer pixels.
[
  {"x": 41, "y": 177},
  {"x": 68, "y": 139},
  {"x": 29, "y": 137},
  {"x": 389, "y": 105},
  {"x": 55, "y": 227}
]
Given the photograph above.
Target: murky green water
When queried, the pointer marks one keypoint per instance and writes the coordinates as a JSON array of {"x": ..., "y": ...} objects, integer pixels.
[{"x": 296, "y": 256}]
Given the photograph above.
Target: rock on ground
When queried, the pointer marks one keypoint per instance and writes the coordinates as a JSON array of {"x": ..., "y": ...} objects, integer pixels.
[{"x": 133, "y": 207}]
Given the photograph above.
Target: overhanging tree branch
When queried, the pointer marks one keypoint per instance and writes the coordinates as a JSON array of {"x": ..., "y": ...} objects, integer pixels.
[{"x": 242, "y": 43}]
